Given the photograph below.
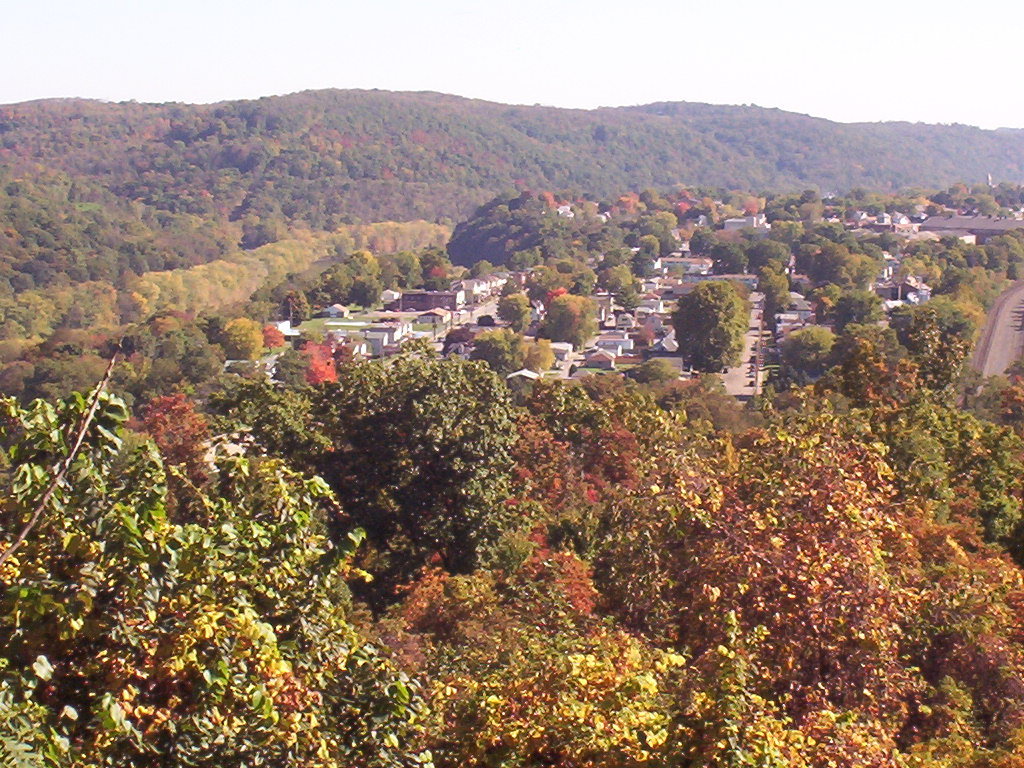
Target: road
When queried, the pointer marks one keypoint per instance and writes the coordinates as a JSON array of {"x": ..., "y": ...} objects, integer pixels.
[
  {"x": 1002, "y": 339},
  {"x": 739, "y": 380}
]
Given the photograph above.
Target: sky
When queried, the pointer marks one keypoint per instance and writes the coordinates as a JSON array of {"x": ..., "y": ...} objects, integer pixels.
[{"x": 936, "y": 62}]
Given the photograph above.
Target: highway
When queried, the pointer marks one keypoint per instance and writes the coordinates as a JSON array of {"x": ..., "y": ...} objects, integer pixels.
[{"x": 1002, "y": 339}]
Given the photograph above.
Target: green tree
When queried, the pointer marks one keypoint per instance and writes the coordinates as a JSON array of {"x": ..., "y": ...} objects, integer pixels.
[
  {"x": 938, "y": 336},
  {"x": 775, "y": 287},
  {"x": 710, "y": 322},
  {"x": 807, "y": 353},
  {"x": 420, "y": 458},
  {"x": 502, "y": 349},
  {"x": 515, "y": 310},
  {"x": 857, "y": 306},
  {"x": 616, "y": 279},
  {"x": 570, "y": 318},
  {"x": 481, "y": 269},
  {"x": 365, "y": 291},
  {"x": 729, "y": 259},
  {"x": 655, "y": 371}
]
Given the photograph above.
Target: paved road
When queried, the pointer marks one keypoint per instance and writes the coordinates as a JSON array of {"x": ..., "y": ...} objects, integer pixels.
[
  {"x": 739, "y": 380},
  {"x": 1002, "y": 339}
]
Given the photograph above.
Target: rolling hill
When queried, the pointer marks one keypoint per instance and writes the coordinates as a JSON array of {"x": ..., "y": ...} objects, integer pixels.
[{"x": 329, "y": 157}]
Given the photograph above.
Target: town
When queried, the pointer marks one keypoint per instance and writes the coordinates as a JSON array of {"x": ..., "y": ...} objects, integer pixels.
[{"x": 629, "y": 317}]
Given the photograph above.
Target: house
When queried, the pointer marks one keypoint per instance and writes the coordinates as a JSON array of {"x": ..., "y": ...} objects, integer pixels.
[
  {"x": 667, "y": 344},
  {"x": 605, "y": 306},
  {"x": 350, "y": 347},
  {"x": 652, "y": 303},
  {"x": 600, "y": 358},
  {"x": 537, "y": 311},
  {"x": 620, "y": 339},
  {"x": 562, "y": 350},
  {"x": 910, "y": 288},
  {"x": 748, "y": 280},
  {"x": 652, "y": 322},
  {"x": 421, "y": 301},
  {"x": 800, "y": 306},
  {"x": 786, "y": 323},
  {"x": 436, "y": 317},
  {"x": 389, "y": 297},
  {"x": 565, "y": 211},
  {"x": 335, "y": 310},
  {"x": 625, "y": 321},
  {"x": 475, "y": 289},
  {"x": 286, "y": 329},
  {"x": 757, "y": 222},
  {"x": 382, "y": 337}
]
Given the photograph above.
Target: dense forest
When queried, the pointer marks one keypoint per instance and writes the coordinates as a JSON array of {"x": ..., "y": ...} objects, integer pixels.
[{"x": 330, "y": 157}]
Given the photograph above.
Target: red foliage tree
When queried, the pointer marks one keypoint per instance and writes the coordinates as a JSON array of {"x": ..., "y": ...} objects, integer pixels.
[
  {"x": 321, "y": 365},
  {"x": 179, "y": 431},
  {"x": 272, "y": 337}
]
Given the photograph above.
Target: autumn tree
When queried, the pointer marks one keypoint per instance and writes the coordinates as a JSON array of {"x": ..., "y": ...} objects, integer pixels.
[
  {"x": 538, "y": 356},
  {"x": 243, "y": 339},
  {"x": 272, "y": 337},
  {"x": 205, "y": 642},
  {"x": 179, "y": 431}
]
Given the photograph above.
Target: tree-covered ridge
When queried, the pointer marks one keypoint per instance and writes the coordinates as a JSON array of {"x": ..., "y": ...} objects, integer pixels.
[{"x": 326, "y": 157}]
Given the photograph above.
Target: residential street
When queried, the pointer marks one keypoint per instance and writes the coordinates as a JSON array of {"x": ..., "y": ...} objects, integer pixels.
[
  {"x": 1002, "y": 339},
  {"x": 739, "y": 380}
]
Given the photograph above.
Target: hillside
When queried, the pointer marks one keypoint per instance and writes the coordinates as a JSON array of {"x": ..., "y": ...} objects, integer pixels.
[{"x": 329, "y": 157}]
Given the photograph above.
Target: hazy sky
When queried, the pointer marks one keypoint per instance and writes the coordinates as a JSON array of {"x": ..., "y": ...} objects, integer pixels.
[{"x": 933, "y": 62}]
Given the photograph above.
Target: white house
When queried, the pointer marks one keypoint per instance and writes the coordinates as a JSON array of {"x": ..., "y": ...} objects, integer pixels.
[
  {"x": 756, "y": 222},
  {"x": 562, "y": 350}
]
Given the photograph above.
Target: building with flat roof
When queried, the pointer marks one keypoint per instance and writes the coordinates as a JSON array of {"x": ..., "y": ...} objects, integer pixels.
[
  {"x": 982, "y": 227},
  {"x": 422, "y": 301}
]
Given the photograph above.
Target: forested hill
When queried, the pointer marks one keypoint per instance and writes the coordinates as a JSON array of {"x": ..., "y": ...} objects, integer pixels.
[{"x": 327, "y": 157}]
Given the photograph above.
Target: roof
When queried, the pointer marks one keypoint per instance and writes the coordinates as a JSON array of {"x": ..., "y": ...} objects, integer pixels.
[
  {"x": 524, "y": 373},
  {"x": 990, "y": 224}
]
